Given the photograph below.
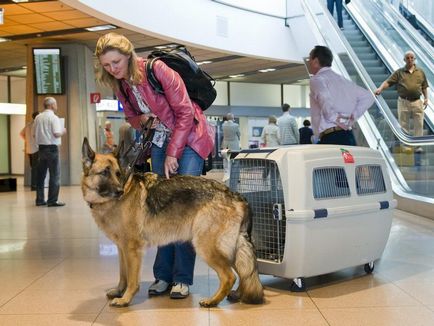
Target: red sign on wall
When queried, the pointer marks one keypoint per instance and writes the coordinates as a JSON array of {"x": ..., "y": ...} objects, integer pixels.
[{"x": 95, "y": 98}]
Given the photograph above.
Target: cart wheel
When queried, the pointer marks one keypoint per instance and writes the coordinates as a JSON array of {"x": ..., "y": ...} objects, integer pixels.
[
  {"x": 298, "y": 285},
  {"x": 369, "y": 267}
]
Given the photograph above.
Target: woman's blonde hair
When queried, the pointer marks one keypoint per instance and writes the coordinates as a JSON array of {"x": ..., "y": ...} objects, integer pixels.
[
  {"x": 272, "y": 119},
  {"x": 113, "y": 41}
]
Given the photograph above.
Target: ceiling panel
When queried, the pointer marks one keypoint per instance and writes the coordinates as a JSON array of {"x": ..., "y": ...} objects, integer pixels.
[
  {"x": 15, "y": 10},
  {"x": 66, "y": 15},
  {"x": 36, "y": 23},
  {"x": 52, "y": 26},
  {"x": 46, "y": 6},
  {"x": 18, "y": 29},
  {"x": 30, "y": 18},
  {"x": 84, "y": 22}
]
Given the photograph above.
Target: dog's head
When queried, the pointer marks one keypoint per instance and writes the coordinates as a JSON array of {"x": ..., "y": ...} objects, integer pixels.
[{"x": 102, "y": 179}]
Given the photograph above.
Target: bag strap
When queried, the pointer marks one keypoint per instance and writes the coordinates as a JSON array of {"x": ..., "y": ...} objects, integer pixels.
[{"x": 152, "y": 79}]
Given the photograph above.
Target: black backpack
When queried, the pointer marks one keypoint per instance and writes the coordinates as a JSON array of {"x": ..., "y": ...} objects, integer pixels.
[{"x": 200, "y": 85}]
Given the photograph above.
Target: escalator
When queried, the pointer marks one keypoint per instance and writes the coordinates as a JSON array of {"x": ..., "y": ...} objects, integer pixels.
[
  {"x": 412, "y": 173},
  {"x": 374, "y": 65}
]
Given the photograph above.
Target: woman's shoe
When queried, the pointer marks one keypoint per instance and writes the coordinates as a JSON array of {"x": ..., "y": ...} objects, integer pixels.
[{"x": 159, "y": 287}]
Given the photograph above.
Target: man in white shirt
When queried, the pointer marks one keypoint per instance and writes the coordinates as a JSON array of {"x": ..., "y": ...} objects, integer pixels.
[
  {"x": 48, "y": 130},
  {"x": 288, "y": 128},
  {"x": 336, "y": 102}
]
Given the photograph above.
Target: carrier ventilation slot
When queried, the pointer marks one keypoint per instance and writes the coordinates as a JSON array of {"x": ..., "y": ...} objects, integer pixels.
[
  {"x": 369, "y": 180},
  {"x": 330, "y": 182}
]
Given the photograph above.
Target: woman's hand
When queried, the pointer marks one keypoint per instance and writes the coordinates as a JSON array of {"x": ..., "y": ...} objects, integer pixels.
[
  {"x": 145, "y": 117},
  {"x": 170, "y": 166}
]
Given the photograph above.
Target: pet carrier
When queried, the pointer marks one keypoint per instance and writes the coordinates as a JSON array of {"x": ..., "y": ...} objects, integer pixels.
[{"x": 316, "y": 208}]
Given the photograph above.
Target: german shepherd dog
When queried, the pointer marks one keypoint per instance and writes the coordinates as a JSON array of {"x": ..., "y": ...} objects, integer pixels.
[{"x": 143, "y": 210}]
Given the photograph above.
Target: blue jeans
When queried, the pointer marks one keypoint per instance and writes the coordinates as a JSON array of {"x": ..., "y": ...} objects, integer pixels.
[
  {"x": 175, "y": 261},
  {"x": 330, "y": 6},
  {"x": 48, "y": 160}
]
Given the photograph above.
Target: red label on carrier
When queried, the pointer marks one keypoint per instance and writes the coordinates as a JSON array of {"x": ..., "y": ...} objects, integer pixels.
[{"x": 348, "y": 158}]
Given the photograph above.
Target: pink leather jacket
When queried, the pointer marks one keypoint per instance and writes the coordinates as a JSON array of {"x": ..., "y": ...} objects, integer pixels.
[{"x": 174, "y": 109}]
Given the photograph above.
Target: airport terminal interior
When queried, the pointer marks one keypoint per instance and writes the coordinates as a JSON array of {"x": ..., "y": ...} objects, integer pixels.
[{"x": 56, "y": 264}]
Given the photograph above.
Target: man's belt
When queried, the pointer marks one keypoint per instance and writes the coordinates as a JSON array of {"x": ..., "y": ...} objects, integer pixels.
[
  {"x": 410, "y": 99},
  {"x": 47, "y": 146},
  {"x": 329, "y": 131}
]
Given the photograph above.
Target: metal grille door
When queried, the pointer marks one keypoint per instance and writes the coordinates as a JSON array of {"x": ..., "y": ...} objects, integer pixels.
[{"x": 258, "y": 180}]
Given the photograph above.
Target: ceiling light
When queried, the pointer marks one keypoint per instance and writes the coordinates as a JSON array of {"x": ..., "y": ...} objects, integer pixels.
[
  {"x": 100, "y": 28},
  {"x": 236, "y": 76},
  {"x": 4, "y": 39},
  {"x": 18, "y": 1},
  {"x": 267, "y": 70},
  {"x": 165, "y": 46},
  {"x": 203, "y": 62}
]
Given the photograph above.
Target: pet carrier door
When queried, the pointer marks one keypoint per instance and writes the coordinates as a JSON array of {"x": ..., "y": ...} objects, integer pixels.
[{"x": 258, "y": 180}]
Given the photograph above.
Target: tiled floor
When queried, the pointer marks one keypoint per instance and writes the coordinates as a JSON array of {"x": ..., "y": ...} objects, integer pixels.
[{"x": 55, "y": 266}]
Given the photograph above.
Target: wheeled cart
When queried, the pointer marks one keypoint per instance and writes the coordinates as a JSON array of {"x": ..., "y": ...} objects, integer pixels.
[{"x": 316, "y": 208}]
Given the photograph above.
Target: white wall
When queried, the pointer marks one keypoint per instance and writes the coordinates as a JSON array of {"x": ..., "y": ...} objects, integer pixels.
[
  {"x": 222, "y": 93},
  {"x": 296, "y": 95},
  {"x": 18, "y": 90},
  {"x": 269, "y": 7},
  {"x": 199, "y": 22},
  {"x": 17, "y": 122},
  {"x": 3, "y": 89},
  {"x": 255, "y": 94}
]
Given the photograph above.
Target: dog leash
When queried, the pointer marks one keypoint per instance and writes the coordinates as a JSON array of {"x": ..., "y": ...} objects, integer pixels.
[{"x": 146, "y": 142}]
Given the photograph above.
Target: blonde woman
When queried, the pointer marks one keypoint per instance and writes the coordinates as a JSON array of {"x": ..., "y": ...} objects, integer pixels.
[{"x": 181, "y": 140}]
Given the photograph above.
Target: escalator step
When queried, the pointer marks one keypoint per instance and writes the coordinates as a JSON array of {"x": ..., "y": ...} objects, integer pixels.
[
  {"x": 359, "y": 49},
  {"x": 367, "y": 56},
  {"x": 377, "y": 71},
  {"x": 372, "y": 63}
]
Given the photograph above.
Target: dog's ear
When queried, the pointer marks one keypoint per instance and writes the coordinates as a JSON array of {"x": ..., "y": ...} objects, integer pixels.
[{"x": 88, "y": 155}]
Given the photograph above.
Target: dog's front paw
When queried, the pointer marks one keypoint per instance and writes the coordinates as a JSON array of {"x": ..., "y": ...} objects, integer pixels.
[
  {"x": 119, "y": 302},
  {"x": 114, "y": 293},
  {"x": 206, "y": 303}
]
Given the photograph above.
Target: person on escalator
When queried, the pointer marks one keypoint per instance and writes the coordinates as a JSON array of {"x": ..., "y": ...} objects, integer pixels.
[
  {"x": 330, "y": 6},
  {"x": 336, "y": 102},
  {"x": 410, "y": 83}
]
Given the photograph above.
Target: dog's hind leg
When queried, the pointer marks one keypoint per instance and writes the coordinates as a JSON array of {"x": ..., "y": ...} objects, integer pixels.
[
  {"x": 222, "y": 266},
  {"x": 118, "y": 291},
  {"x": 133, "y": 259}
]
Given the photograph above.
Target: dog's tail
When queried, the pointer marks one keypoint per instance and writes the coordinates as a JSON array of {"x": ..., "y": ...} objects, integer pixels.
[{"x": 250, "y": 289}]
